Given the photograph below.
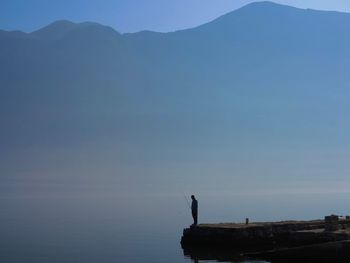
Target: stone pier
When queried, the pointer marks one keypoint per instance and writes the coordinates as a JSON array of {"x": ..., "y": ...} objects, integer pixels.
[{"x": 266, "y": 236}]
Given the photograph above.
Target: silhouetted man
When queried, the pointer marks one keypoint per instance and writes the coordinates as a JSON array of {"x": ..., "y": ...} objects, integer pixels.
[{"x": 194, "y": 208}]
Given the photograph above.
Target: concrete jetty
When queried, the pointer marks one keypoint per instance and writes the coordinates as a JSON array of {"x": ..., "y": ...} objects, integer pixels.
[{"x": 264, "y": 240}]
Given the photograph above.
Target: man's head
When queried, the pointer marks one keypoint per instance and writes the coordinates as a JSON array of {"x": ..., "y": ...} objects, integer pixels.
[{"x": 192, "y": 196}]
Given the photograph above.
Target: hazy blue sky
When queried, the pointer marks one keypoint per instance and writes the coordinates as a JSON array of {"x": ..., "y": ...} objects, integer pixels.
[{"x": 133, "y": 15}]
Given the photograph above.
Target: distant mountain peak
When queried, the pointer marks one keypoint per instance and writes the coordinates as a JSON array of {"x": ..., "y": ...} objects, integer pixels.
[
  {"x": 267, "y": 4},
  {"x": 55, "y": 30},
  {"x": 62, "y": 28},
  {"x": 255, "y": 11},
  {"x": 62, "y": 23},
  {"x": 264, "y": 6},
  {"x": 263, "y": 3}
]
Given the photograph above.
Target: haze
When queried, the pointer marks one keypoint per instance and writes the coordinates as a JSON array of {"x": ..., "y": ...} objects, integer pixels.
[{"x": 253, "y": 102}]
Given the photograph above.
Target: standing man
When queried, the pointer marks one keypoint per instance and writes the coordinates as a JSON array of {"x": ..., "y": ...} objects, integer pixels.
[{"x": 194, "y": 208}]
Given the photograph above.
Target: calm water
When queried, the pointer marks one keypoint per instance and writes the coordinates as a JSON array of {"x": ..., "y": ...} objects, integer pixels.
[{"x": 136, "y": 228}]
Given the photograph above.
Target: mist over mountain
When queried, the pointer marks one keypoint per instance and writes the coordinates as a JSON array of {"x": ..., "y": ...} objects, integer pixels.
[{"x": 256, "y": 98}]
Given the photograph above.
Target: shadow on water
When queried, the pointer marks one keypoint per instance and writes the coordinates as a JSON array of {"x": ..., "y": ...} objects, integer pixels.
[
  {"x": 329, "y": 252},
  {"x": 220, "y": 254}
]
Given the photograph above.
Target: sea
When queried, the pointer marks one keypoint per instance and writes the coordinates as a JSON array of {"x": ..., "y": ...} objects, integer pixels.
[{"x": 130, "y": 228}]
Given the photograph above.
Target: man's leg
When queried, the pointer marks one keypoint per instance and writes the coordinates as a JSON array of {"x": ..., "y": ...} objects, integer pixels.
[{"x": 195, "y": 217}]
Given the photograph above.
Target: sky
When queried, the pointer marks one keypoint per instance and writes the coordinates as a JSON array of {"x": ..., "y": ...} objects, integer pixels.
[{"x": 133, "y": 15}]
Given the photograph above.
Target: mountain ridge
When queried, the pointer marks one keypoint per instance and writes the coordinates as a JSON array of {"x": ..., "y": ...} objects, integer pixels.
[
  {"x": 61, "y": 28},
  {"x": 64, "y": 26}
]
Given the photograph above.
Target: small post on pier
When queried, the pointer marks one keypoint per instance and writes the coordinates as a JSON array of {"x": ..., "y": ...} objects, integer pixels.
[
  {"x": 331, "y": 223},
  {"x": 247, "y": 221}
]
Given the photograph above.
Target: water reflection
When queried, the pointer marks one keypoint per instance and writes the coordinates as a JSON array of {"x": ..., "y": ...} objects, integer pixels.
[{"x": 220, "y": 254}]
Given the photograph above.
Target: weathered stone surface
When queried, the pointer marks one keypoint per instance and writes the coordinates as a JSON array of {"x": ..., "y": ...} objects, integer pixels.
[
  {"x": 286, "y": 233},
  {"x": 277, "y": 240}
]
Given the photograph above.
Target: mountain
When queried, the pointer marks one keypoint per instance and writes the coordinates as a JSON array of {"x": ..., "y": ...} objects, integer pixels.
[
  {"x": 55, "y": 30},
  {"x": 265, "y": 84}
]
